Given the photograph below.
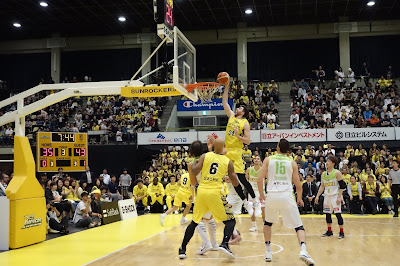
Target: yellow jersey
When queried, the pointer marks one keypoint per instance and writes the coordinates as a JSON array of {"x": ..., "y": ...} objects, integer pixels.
[
  {"x": 346, "y": 178},
  {"x": 171, "y": 189},
  {"x": 354, "y": 189},
  {"x": 215, "y": 167},
  {"x": 384, "y": 188},
  {"x": 174, "y": 154},
  {"x": 140, "y": 192},
  {"x": 153, "y": 189},
  {"x": 247, "y": 155},
  {"x": 185, "y": 184},
  {"x": 232, "y": 142},
  {"x": 370, "y": 188}
]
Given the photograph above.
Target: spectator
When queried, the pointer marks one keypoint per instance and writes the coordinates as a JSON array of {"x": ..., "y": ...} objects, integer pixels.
[
  {"x": 365, "y": 73},
  {"x": 371, "y": 191},
  {"x": 125, "y": 181},
  {"x": 84, "y": 217},
  {"x": 113, "y": 188},
  {"x": 106, "y": 177},
  {"x": 384, "y": 190},
  {"x": 105, "y": 194},
  {"x": 88, "y": 176},
  {"x": 140, "y": 194},
  {"x": 351, "y": 77},
  {"x": 309, "y": 192},
  {"x": 354, "y": 191},
  {"x": 156, "y": 194},
  {"x": 394, "y": 184},
  {"x": 2, "y": 188},
  {"x": 54, "y": 224}
]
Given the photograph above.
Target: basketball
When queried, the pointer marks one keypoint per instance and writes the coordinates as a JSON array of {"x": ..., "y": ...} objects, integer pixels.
[{"x": 223, "y": 78}]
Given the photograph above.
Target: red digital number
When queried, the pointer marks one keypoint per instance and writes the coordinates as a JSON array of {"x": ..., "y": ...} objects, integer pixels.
[
  {"x": 168, "y": 15},
  {"x": 44, "y": 163},
  {"x": 48, "y": 152},
  {"x": 81, "y": 152}
]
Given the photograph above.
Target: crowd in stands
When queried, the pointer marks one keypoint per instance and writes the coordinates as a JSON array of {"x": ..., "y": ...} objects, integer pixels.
[
  {"x": 317, "y": 106},
  {"x": 116, "y": 118}
]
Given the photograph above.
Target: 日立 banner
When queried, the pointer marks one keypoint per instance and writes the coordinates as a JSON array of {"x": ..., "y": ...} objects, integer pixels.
[
  {"x": 361, "y": 134},
  {"x": 213, "y": 105},
  {"x": 147, "y": 138},
  {"x": 294, "y": 135}
]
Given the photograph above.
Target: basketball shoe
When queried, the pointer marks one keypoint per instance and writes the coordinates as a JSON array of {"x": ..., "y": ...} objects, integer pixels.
[{"x": 306, "y": 258}]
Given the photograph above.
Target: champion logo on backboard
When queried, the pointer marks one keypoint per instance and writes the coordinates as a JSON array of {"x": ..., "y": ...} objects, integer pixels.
[{"x": 160, "y": 136}]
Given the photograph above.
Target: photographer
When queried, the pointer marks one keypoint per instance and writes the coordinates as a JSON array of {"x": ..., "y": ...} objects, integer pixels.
[
  {"x": 52, "y": 219},
  {"x": 84, "y": 217}
]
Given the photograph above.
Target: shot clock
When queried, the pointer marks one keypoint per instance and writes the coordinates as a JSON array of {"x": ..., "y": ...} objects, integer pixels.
[
  {"x": 61, "y": 149},
  {"x": 169, "y": 14}
]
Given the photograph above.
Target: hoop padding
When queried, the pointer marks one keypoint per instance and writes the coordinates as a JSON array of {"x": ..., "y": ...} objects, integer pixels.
[{"x": 205, "y": 90}]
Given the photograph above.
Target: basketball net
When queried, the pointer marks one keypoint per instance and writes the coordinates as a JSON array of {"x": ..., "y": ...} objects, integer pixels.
[{"x": 205, "y": 90}]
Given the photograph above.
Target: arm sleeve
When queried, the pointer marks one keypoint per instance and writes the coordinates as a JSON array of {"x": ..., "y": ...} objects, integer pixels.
[
  {"x": 359, "y": 189},
  {"x": 349, "y": 189}
]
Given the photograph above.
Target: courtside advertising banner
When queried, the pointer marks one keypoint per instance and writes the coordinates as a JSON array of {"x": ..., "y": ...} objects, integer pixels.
[
  {"x": 294, "y": 135},
  {"x": 149, "y": 138},
  {"x": 361, "y": 134},
  {"x": 397, "y": 131},
  {"x": 213, "y": 105},
  {"x": 127, "y": 209},
  {"x": 110, "y": 212},
  {"x": 202, "y": 135}
]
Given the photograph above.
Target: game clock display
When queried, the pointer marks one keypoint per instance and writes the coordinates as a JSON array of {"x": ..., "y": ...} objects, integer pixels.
[{"x": 58, "y": 149}]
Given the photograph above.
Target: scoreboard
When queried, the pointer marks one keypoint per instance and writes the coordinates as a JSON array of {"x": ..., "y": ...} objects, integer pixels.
[{"x": 58, "y": 149}]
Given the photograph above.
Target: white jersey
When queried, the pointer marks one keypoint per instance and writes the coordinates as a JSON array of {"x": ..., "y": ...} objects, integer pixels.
[
  {"x": 253, "y": 177},
  {"x": 280, "y": 172},
  {"x": 330, "y": 182}
]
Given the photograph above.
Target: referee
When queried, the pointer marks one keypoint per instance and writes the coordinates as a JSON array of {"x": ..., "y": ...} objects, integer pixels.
[{"x": 394, "y": 183}]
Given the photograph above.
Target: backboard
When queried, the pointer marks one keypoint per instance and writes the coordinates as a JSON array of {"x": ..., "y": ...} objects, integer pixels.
[{"x": 184, "y": 69}]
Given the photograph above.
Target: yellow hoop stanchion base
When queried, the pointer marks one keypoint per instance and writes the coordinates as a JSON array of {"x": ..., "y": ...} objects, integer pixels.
[{"x": 27, "y": 203}]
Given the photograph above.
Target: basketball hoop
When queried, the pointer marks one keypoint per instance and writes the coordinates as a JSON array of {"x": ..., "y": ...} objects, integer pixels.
[{"x": 205, "y": 90}]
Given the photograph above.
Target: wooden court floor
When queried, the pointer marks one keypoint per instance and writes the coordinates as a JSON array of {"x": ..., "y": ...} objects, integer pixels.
[{"x": 370, "y": 240}]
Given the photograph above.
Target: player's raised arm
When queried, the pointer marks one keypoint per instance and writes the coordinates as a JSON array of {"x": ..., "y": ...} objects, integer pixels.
[
  {"x": 261, "y": 177},
  {"x": 197, "y": 165},
  {"x": 227, "y": 108},
  {"x": 296, "y": 182}
]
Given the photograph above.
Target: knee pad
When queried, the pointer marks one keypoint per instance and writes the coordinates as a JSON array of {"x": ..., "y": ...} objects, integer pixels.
[
  {"x": 267, "y": 223},
  {"x": 339, "y": 218},
  {"x": 328, "y": 218},
  {"x": 299, "y": 228}
]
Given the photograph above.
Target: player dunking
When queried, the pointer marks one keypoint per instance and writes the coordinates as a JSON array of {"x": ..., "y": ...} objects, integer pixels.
[
  {"x": 252, "y": 176},
  {"x": 237, "y": 133},
  {"x": 213, "y": 167},
  {"x": 332, "y": 185},
  {"x": 282, "y": 171}
]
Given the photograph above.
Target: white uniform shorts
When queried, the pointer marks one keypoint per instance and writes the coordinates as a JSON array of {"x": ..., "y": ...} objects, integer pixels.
[
  {"x": 330, "y": 205},
  {"x": 250, "y": 199},
  {"x": 236, "y": 203},
  {"x": 282, "y": 203}
]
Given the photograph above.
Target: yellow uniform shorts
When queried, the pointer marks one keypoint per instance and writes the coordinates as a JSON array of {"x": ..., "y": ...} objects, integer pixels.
[
  {"x": 211, "y": 200},
  {"x": 236, "y": 157},
  {"x": 181, "y": 197}
]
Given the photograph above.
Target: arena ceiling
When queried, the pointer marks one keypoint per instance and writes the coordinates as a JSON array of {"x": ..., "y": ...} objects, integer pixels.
[{"x": 100, "y": 17}]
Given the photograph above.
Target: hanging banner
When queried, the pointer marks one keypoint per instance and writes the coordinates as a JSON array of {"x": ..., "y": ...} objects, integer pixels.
[
  {"x": 294, "y": 135},
  {"x": 150, "y": 91},
  {"x": 147, "y": 138},
  {"x": 213, "y": 105},
  {"x": 361, "y": 134}
]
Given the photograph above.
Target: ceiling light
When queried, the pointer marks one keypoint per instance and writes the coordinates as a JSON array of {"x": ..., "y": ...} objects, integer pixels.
[
  {"x": 44, "y": 4},
  {"x": 248, "y": 11},
  {"x": 371, "y": 3},
  {"x": 122, "y": 19},
  {"x": 17, "y": 25}
]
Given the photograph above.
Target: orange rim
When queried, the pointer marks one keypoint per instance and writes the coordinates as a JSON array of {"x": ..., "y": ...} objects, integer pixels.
[{"x": 202, "y": 86}]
